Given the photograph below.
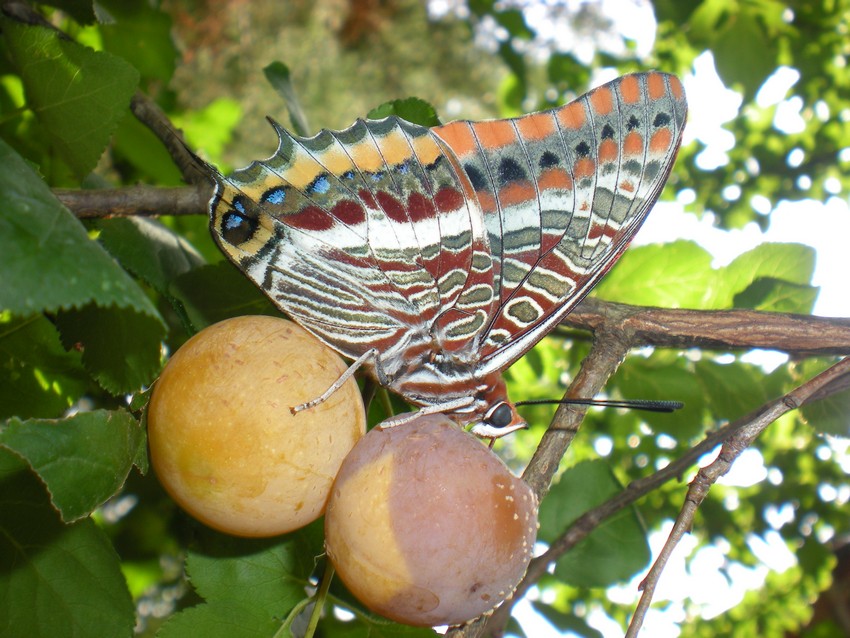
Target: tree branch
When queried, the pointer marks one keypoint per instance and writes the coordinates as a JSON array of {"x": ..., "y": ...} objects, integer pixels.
[
  {"x": 136, "y": 200},
  {"x": 610, "y": 346},
  {"x": 617, "y": 328},
  {"x": 590, "y": 520},
  {"x": 803, "y": 335}
]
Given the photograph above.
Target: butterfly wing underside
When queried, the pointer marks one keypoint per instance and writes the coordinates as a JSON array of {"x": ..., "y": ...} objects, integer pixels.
[
  {"x": 455, "y": 249},
  {"x": 562, "y": 193}
]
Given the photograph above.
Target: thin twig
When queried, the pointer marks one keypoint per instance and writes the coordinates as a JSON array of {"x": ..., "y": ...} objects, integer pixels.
[
  {"x": 590, "y": 520},
  {"x": 747, "y": 430}
]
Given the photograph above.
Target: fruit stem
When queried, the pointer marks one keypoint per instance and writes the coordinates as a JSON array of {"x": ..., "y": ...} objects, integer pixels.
[{"x": 321, "y": 596}]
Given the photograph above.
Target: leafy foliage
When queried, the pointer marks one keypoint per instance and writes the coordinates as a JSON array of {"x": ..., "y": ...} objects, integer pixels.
[
  {"x": 612, "y": 552},
  {"x": 88, "y": 310},
  {"x": 77, "y": 95}
]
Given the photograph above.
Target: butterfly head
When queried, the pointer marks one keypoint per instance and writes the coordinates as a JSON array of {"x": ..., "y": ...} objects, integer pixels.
[
  {"x": 500, "y": 419},
  {"x": 498, "y": 415}
]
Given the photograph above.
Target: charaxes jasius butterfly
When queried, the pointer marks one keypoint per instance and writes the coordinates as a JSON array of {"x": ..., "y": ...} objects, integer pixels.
[{"x": 437, "y": 257}]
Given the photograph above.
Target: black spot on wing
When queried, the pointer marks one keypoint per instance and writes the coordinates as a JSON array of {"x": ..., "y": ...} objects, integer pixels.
[
  {"x": 236, "y": 227},
  {"x": 476, "y": 177},
  {"x": 662, "y": 119},
  {"x": 511, "y": 171},
  {"x": 548, "y": 160},
  {"x": 582, "y": 149}
]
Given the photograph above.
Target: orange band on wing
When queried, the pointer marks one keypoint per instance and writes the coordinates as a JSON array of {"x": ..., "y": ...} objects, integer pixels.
[
  {"x": 630, "y": 89},
  {"x": 495, "y": 134},
  {"x": 602, "y": 101},
  {"x": 536, "y": 127},
  {"x": 458, "y": 135},
  {"x": 571, "y": 116},
  {"x": 656, "y": 85}
]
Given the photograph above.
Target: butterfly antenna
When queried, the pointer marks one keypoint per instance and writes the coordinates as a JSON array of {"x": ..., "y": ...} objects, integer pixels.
[{"x": 647, "y": 405}]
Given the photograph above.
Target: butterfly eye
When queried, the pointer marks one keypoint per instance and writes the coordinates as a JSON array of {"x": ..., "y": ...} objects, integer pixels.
[
  {"x": 236, "y": 228},
  {"x": 500, "y": 416}
]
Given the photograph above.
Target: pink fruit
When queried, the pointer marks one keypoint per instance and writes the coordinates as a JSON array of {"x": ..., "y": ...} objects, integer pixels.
[{"x": 427, "y": 526}]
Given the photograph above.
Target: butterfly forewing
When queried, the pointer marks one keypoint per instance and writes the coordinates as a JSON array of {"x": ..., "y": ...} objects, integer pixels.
[
  {"x": 566, "y": 190},
  {"x": 369, "y": 237}
]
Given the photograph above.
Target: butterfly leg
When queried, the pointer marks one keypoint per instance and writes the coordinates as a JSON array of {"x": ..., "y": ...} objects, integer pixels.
[
  {"x": 436, "y": 408},
  {"x": 345, "y": 376}
]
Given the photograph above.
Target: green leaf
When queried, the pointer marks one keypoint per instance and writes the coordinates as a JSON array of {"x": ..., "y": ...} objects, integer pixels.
[
  {"x": 210, "y": 128},
  {"x": 49, "y": 264},
  {"x": 744, "y": 38},
  {"x": 615, "y": 550},
  {"x": 219, "y": 291},
  {"x": 793, "y": 263},
  {"x": 731, "y": 390},
  {"x": 674, "y": 275},
  {"x": 222, "y": 619},
  {"x": 79, "y": 95},
  {"x": 154, "y": 253},
  {"x": 830, "y": 415},
  {"x": 55, "y": 579},
  {"x": 268, "y": 574},
  {"x": 38, "y": 377},
  {"x": 774, "y": 295},
  {"x": 100, "y": 333},
  {"x": 658, "y": 378},
  {"x": 81, "y": 10},
  {"x": 410, "y": 109},
  {"x": 773, "y": 277},
  {"x": 141, "y": 35},
  {"x": 83, "y": 460},
  {"x": 514, "y": 21},
  {"x": 149, "y": 250},
  {"x": 706, "y": 17},
  {"x": 135, "y": 143},
  {"x": 247, "y": 583},
  {"x": 277, "y": 73},
  {"x": 511, "y": 96}
]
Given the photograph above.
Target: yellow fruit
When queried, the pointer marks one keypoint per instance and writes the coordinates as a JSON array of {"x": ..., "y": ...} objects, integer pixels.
[
  {"x": 427, "y": 526},
  {"x": 222, "y": 438}
]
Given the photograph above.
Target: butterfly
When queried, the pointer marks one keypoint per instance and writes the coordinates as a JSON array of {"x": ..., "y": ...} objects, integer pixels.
[{"x": 436, "y": 257}]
